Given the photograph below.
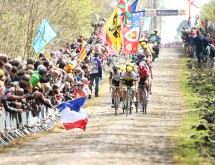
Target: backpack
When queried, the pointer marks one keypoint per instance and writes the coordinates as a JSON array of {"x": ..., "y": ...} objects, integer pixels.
[{"x": 212, "y": 51}]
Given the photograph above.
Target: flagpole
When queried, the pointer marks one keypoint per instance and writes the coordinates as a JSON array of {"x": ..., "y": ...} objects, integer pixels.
[{"x": 189, "y": 17}]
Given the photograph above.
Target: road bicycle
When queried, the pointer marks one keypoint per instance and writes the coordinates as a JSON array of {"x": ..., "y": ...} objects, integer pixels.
[
  {"x": 116, "y": 98},
  {"x": 136, "y": 101},
  {"x": 127, "y": 107},
  {"x": 143, "y": 99}
]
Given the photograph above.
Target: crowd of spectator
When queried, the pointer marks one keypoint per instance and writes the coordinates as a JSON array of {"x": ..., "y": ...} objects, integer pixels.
[
  {"x": 198, "y": 44},
  {"x": 49, "y": 79}
]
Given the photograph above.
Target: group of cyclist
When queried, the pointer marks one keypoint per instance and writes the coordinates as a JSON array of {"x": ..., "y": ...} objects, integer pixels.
[{"x": 137, "y": 75}]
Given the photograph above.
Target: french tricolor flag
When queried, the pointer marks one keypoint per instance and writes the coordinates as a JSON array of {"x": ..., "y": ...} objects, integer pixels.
[{"x": 72, "y": 115}]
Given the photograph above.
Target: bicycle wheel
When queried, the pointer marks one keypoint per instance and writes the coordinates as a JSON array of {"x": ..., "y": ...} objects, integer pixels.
[
  {"x": 116, "y": 102},
  {"x": 130, "y": 108},
  {"x": 136, "y": 102},
  {"x": 126, "y": 105},
  {"x": 145, "y": 106},
  {"x": 144, "y": 102}
]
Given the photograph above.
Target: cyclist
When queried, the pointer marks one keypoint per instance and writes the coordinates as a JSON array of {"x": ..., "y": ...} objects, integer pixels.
[
  {"x": 114, "y": 80},
  {"x": 147, "y": 52},
  {"x": 155, "y": 39},
  {"x": 128, "y": 78},
  {"x": 144, "y": 80},
  {"x": 140, "y": 56}
]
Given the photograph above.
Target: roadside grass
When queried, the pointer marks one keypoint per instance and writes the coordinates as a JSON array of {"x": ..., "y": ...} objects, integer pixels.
[{"x": 189, "y": 144}]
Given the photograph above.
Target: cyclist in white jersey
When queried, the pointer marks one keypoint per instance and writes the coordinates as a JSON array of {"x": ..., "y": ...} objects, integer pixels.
[{"x": 114, "y": 80}]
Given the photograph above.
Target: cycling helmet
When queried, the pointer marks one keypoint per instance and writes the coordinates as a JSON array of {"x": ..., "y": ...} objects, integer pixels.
[
  {"x": 121, "y": 68},
  {"x": 129, "y": 69},
  {"x": 115, "y": 68},
  {"x": 131, "y": 65},
  {"x": 155, "y": 30},
  {"x": 140, "y": 51},
  {"x": 144, "y": 47},
  {"x": 127, "y": 64},
  {"x": 141, "y": 40},
  {"x": 141, "y": 66},
  {"x": 152, "y": 33}
]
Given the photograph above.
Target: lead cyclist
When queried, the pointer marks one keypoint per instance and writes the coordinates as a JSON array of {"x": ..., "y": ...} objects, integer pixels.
[{"x": 128, "y": 78}]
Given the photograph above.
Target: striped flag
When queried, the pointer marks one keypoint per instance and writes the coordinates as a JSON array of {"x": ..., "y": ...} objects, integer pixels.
[{"x": 72, "y": 114}]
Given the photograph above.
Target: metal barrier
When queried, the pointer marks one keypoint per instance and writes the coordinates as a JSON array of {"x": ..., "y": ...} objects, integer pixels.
[{"x": 17, "y": 125}]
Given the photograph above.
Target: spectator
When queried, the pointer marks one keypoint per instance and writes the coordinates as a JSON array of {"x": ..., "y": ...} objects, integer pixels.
[
  {"x": 210, "y": 57},
  {"x": 37, "y": 76},
  {"x": 198, "y": 41},
  {"x": 186, "y": 39},
  {"x": 95, "y": 74}
]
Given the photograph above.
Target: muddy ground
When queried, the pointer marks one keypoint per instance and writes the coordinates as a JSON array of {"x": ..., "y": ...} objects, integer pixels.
[{"x": 136, "y": 139}]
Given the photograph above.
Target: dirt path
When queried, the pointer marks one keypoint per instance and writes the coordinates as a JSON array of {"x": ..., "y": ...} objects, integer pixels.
[{"x": 136, "y": 139}]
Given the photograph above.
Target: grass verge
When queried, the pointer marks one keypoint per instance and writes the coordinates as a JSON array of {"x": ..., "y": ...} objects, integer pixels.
[{"x": 190, "y": 148}]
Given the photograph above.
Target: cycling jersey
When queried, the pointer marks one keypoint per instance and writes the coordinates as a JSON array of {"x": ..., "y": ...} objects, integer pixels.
[
  {"x": 144, "y": 74},
  {"x": 146, "y": 65},
  {"x": 140, "y": 59},
  {"x": 128, "y": 80},
  {"x": 116, "y": 76},
  {"x": 147, "y": 52}
]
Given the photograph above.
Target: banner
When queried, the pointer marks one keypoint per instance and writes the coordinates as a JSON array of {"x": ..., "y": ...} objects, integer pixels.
[{"x": 131, "y": 33}]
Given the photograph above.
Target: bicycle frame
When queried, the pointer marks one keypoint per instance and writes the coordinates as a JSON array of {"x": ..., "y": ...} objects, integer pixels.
[
  {"x": 116, "y": 98},
  {"x": 128, "y": 100},
  {"x": 143, "y": 100}
]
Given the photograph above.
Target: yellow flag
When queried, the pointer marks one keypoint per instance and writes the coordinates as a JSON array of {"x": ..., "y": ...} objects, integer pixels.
[{"x": 113, "y": 30}]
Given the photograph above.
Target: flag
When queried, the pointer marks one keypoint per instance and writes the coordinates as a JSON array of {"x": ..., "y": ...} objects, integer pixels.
[
  {"x": 103, "y": 35},
  {"x": 131, "y": 33},
  {"x": 134, "y": 6},
  {"x": 126, "y": 10},
  {"x": 83, "y": 54},
  {"x": 113, "y": 30},
  {"x": 45, "y": 34},
  {"x": 203, "y": 23},
  {"x": 192, "y": 3},
  {"x": 147, "y": 23},
  {"x": 72, "y": 115}
]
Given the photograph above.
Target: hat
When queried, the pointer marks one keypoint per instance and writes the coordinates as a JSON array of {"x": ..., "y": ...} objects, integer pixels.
[
  {"x": 69, "y": 68},
  {"x": 42, "y": 69},
  {"x": 77, "y": 70},
  {"x": 1, "y": 73}
]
